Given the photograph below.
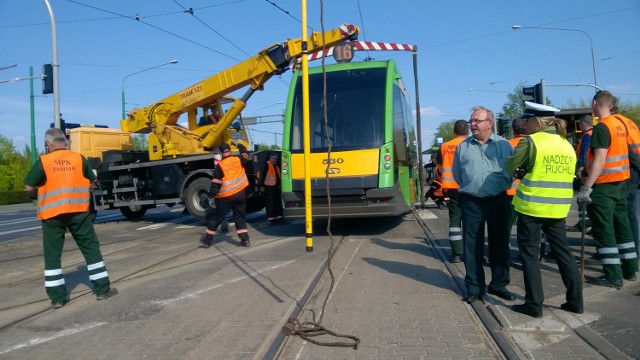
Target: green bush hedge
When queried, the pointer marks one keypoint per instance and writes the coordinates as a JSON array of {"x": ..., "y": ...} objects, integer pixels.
[{"x": 13, "y": 197}]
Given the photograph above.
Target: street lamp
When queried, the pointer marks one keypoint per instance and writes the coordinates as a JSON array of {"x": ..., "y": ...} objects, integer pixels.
[
  {"x": 593, "y": 60},
  {"x": 441, "y": 115},
  {"x": 138, "y": 72}
]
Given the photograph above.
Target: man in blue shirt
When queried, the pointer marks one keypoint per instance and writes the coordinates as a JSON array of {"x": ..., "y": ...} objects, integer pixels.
[
  {"x": 478, "y": 167},
  {"x": 586, "y": 126}
]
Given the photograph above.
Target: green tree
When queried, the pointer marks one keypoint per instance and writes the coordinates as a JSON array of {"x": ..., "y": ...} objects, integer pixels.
[
  {"x": 515, "y": 104},
  {"x": 13, "y": 166},
  {"x": 632, "y": 111},
  {"x": 262, "y": 147},
  {"x": 445, "y": 131},
  {"x": 140, "y": 142}
]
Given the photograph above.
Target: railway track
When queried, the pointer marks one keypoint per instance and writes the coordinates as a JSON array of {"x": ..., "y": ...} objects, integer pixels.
[{"x": 229, "y": 293}]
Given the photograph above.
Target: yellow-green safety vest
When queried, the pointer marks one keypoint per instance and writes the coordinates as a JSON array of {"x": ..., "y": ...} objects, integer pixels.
[{"x": 547, "y": 190}]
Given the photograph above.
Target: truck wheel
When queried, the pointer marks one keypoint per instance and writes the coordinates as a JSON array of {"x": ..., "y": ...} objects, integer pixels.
[
  {"x": 196, "y": 198},
  {"x": 133, "y": 212}
]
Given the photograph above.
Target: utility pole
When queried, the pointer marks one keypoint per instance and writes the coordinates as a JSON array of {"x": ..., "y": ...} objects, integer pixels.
[{"x": 55, "y": 65}]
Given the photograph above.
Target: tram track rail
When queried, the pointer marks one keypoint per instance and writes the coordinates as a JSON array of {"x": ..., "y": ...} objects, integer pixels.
[
  {"x": 487, "y": 318},
  {"x": 136, "y": 274},
  {"x": 272, "y": 348}
]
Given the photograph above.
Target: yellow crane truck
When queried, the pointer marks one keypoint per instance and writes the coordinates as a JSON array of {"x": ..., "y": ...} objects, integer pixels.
[{"x": 177, "y": 168}]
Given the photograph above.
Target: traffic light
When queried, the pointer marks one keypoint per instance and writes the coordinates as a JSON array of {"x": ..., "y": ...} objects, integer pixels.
[
  {"x": 536, "y": 92},
  {"x": 47, "y": 79},
  {"x": 504, "y": 124}
]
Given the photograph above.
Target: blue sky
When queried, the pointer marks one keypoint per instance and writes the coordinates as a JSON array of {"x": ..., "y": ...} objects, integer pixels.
[{"x": 462, "y": 45}]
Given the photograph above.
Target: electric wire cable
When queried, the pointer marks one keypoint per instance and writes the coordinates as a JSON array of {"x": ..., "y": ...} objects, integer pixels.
[
  {"x": 191, "y": 12},
  {"x": 139, "y": 19},
  {"x": 308, "y": 329}
]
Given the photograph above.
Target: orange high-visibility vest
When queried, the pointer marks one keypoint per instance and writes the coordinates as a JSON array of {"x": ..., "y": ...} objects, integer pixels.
[
  {"x": 438, "y": 180},
  {"x": 512, "y": 190},
  {"x": 66, "y": 190},
  {"x": 270, "y": 179},
  {"x": 616, "y": 166},
  {"x": 446, "y": 152},
  {"x": 633, "y": 136},
  {"x": 438, "y": 192},
  {"x": 234, "y": 179}
]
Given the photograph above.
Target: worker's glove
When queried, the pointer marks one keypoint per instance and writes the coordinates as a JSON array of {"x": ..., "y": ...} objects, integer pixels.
[{"x": 584, "y": 197}]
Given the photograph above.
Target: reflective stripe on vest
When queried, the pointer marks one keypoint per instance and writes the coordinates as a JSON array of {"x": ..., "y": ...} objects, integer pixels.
[
  {"x": 447, "y": 150},
  {"x": 234, "y": 179},
  {"x": 66, "y": 189},
  {"x": 514, "y": 185},
  {"x": 547, "y": 190},
  {"x": 270, "y": 178},
  {"x": 616, "y": 166}
]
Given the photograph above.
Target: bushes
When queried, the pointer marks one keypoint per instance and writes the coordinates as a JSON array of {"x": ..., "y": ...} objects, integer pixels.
[{"x": 13, "y": 197}]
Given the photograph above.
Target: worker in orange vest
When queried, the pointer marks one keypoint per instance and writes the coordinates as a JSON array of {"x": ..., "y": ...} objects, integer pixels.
[
  {"x": 586, "y": 126},
  {"x": 270, "y": 181},
  {"x": 444, "y": 160},
  {"x": 605, "y": 193},
  {"x": 61, "y": 180},
  {"x": 228, "y": 190}
]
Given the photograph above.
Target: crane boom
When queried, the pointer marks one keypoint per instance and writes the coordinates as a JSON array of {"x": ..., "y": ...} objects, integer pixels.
[{"x": 167, "y": 139}]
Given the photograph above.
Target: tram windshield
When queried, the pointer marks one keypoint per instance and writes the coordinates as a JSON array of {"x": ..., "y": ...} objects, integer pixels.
[{"x": 355, "y": 110}]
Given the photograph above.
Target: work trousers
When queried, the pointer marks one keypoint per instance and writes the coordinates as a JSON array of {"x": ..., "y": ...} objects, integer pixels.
[
  {"x": 529, "y": 244},
  {"x": 632, "y": 213},
  {"x": 81, "y": 229},
  {"x": 455, "y": 221},
  {"x": 513, "y": 215},
  {"x": 235, "y": 203},
  {"x": 494, "y": 212},
  {"x": 273, "y": 202},
  {"x": 611, "y": 230}
]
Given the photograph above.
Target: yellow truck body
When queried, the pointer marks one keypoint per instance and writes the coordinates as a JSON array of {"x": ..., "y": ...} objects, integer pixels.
[{"x": 92, "y": 142}]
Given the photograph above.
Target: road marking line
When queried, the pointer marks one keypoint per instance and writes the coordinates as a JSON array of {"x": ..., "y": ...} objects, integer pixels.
[
  {"x": 20, "y": 230},
  {"x": 194, "y": 294},
  {"x": 11, "y": 222},
  {"x": 153, "y": 226},
  {"x": 40, "y": 340}
]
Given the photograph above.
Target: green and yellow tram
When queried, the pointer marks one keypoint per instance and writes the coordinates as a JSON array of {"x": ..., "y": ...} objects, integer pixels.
[{"x": 372, "y": 168}]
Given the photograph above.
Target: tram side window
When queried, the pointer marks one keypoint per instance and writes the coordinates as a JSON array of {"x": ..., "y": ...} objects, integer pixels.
[{"x": 399, "y": 130}]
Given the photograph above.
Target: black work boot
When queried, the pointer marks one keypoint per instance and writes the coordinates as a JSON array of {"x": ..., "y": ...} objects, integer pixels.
[{"x": 206, "y": 241}]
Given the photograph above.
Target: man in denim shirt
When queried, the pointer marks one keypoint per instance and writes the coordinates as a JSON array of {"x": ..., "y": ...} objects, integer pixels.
[{"x": 478, "y": 167}]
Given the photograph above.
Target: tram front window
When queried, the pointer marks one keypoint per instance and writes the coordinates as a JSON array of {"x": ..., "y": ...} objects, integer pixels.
[{"x": 355, "y": 111}]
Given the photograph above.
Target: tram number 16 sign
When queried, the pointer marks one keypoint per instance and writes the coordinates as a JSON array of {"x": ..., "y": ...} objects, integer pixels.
[{"x": 343, "y": 53}]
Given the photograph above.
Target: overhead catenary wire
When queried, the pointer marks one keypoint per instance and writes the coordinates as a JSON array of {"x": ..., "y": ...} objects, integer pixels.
[
  {"x": 191, "y": 12},
  {"x": 139, "y": 19},
  {"x": 364, "y": 34}
]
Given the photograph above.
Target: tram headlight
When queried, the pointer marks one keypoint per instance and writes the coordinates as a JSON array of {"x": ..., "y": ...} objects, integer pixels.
[
  {"x": 284, "y": 172},
  {"x": 387, "y": 166}
]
